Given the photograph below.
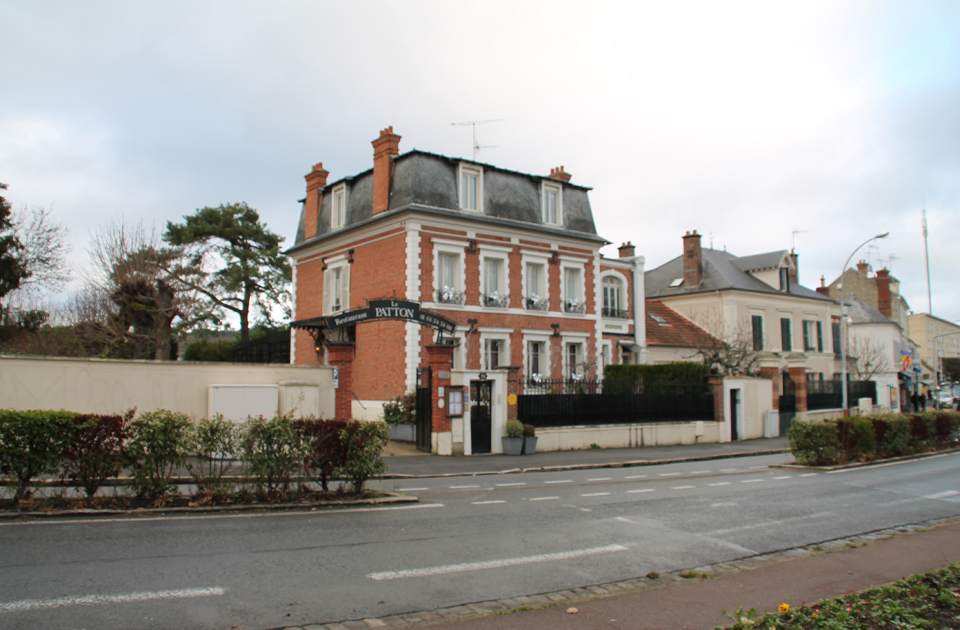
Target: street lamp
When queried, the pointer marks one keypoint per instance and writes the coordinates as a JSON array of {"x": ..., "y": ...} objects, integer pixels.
[{"x": 843, "y": 321}]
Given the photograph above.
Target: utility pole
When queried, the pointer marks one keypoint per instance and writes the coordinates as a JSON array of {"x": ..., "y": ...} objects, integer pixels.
[{"x": 926, "y": 253}]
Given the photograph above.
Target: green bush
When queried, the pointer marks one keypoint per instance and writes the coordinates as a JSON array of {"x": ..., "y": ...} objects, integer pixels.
[
  {"x": 364, "y": 442},
  {"x": 159, "y": 443},
  {"x": 403, "y": 410},
  {"x": 32, "y": 443},
  {"x": 624, "y": 379},
  {"x": 274, "y": 451},
  {"x": 529, "y": 431},
  {"x": 96, "y": 450},
  {"x": 857, "y": 438},
  {"x": 220, "y": 350},
  {"x": 514, "y": 429},
  {"x": 215, "y": 441},
  {"x": 814, "y": 443}
]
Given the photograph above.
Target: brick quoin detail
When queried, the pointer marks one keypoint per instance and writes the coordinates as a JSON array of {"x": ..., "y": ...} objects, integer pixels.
[
  {"x": 341, "y": 355},
  {"x": 715, "y": 382},
  {"x": 799, "y": 377},
  {"x": 515, "y": 387},
  {"x": 440, "y": 360}
]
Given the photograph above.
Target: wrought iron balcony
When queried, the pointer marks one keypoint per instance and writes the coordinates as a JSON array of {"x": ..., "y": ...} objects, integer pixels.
[
  {"x": 495, "y": 300},
  {"x": 574, "y": 306},
  {"x": 446, "y": 295},
  {"x": 536, "y": 303},
  {"x": 615, "y": 313}
]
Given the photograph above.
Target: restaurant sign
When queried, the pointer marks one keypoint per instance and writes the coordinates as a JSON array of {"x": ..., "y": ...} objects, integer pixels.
[{"x": 390, "y": 309}]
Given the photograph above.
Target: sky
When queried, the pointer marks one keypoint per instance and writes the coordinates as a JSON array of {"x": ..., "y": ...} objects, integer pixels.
[{"x": 762, "y": 125}]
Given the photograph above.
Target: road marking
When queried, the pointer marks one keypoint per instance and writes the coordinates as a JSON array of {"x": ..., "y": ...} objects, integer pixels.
[
  {"x": 210, "y": 517},
  {"x": 486, "y": 502},
  {"x": 757, "y": 467},
  {"x": 670, "y": 474},
  {"x": 495, "y": 564},
  {"x": 560, "y": 481},
  {"x": 907, "y": 461},
  {"x": 601, "y": 479},
  {"x": 681, "y": 487},
  {"x": 721, "y": 532},
  {"x": 636, "y": 477},
  {"x": 505, "y": 485},
  {"x": 596, "y": 494},
  {"x": 722, "y": 483},
  {"x": 641, "y": 490},
  {"x": 728, "y": 469},
  {"x": 784, "y": 477},
  {"x": 727, "y": 504},
  {"x": 462, "y": 487},
  {"x": 544, "y": 498},
  {"x": 942, "y": 495},
  {"x": 700, "y": 472},
  {"x": 751, "y": 481},
  {"x": 809, "y": 474},
  {"x": 412, "y": 489},
  {"x": 94, "y": 600}
]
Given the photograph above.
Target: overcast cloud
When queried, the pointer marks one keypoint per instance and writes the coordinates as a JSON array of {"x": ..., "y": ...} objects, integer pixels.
[{"x": 743, "y": 120}]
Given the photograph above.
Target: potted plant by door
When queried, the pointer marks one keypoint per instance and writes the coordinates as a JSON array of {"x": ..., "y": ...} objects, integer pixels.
[
  {"x": 513, "y": 438},
  {"x": 529, "y": 439}
]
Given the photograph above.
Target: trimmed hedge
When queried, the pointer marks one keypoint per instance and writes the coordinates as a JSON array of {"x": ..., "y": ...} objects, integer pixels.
[
  {"x": 676, "y": 372},
  {"x": 90, "y": 449},
  {"x": 824, "y": 443}
]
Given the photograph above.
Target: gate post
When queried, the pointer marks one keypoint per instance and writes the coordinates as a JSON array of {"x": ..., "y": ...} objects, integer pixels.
[
  {"x": 774, "y": 375},
  {"x": 514, "y": 389},
  {"x": 799, "y": 376},
  {"x": 341, "y": 355},
  {"x": 440, "y": 360},
  {"x": 715, "y": 381}
]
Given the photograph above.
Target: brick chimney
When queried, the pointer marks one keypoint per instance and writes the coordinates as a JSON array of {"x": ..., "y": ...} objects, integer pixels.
[
  {"x": 384, "y": 149},
  {"x": 884, "y": 301},
  {"x": 316, "y": 180},
  {"x": 559, "y": 173},
  {"x": 823, "y": 289},
  {"x": 626, "y": 250},
  {"x": 863, "y": 267},
  {"x": 795, "y": 272},
  {"x": 692, "y": 260}
]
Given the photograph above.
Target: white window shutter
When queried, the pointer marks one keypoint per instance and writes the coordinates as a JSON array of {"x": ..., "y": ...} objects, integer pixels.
[
  {"x": 327, "y": 291},
  {"x": 345, "y": 288}
]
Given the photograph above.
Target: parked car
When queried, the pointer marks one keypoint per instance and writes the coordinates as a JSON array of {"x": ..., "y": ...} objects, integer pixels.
[{"x": 945, "y": 398}]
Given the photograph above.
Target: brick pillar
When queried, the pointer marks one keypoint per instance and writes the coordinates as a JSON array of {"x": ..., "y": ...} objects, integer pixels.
[
  {"x": 715, "y": 381},
  {"x": 341, "y": 355},
  {"x": 514, "y": 389},
  {"x": 799, "y": 376},
  {"x": 440, "y": 360},
  {"x": 774, "y": 375}
]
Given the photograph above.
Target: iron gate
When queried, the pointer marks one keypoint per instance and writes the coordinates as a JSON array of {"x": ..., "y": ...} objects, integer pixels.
[
  {"x": 424, "y": 411},
  {"x": 480, "y": 424}
]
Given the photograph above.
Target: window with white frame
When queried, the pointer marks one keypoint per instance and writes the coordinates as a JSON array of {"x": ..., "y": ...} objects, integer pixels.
[
  {"x": 448, "y": 263},
  {"x": 573, "y": 290},
  {"x": 471, "y": 187},
  {"x": 496, "y": 348},
  {"x": 338, "y": 210},
  {"x": 573, "y": 361},
  {"x": 606, "y": 353},
  {"x": 536, "y": 360},
  {"x": 336, "y": 287},
  {"x": 494, "y": 291},
  {"x": 552, "y": 211},
  {"x": 809, "y": 335},
  {"x": 536, "y": 297},
  {"x": 613, "y": 298}
]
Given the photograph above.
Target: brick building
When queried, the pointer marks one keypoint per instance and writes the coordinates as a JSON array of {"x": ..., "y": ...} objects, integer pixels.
[{"x": 512, "y": 259}]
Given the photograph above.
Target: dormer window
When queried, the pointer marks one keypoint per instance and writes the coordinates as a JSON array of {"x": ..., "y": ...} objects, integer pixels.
[
  {"x": 338, "y": 209},
  {"x": 471, "y": 188},
  {"x": 552, "y": 210}
]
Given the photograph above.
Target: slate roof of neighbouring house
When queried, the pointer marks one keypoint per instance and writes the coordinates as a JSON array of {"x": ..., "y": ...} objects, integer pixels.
[
  {"x": 862, "y": 313},
  {"x": 721, "y": 271},
  {"x": 666, "y": 327}
]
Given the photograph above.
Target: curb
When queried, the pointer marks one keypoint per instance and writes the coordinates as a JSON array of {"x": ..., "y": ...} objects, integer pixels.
[
  {"x": 625, "y": 464},
  {"x": 391, "y": 499},
  {"x": 475, "y": 610},
  {"x": 875, "y": 462}
]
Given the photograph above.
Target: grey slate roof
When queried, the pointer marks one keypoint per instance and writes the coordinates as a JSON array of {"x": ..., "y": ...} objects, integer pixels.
[
  {"x": 721, "y": 271},
  {"x": 769, "y": 260},
  {"x": 863, "y": 313},
  {"x": 427, "y": 182}
]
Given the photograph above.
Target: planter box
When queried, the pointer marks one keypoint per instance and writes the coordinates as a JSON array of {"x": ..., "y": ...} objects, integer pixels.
[
  {"x": 512, "y": 446},
  {"x": 402, "y": 432},
  {"x": 529, "y": 445}
]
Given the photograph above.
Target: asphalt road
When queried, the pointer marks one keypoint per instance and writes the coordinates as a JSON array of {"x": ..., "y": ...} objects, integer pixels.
[{"x": 470, "y": 539}]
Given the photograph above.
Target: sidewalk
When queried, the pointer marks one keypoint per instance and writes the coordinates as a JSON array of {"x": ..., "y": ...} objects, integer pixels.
[{"x": 403, "y": 460}]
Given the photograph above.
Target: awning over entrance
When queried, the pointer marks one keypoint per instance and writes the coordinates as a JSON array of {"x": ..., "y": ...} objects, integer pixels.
[{"x": 630, "y": 346}]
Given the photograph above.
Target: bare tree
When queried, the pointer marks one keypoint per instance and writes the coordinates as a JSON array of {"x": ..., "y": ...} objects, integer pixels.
[
  {"x": 727, "y": 347},
  {"x": 870, "y": 357},
  {"x": 44, "y": 251}
]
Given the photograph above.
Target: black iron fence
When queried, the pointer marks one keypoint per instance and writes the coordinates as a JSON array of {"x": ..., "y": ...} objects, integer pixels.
[
  {"x": 829, "y": 395},
  {"x": 272, "y": 348},
  {"x": 581, "y": 402}
]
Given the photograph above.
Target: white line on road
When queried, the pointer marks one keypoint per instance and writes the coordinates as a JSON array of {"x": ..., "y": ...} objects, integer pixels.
[
  {"x": 635, "y": 477},
  {"x": 809, "y": 474},
  {"x": 906, "y": 461},
  {"x": 505, "y": 485},
  {"x": 412, "y": 489},
  {"x": 461, "y": 487},
  {"x": 544, "y": 498},
  {"x": 596, "y": 494},
  {"x": 942, "y": 495},
  {"x": 560, "y": 481},
  {"x": 495, "y": 564},
  {"x": 486, "y": 502},
  {"x": 601, "y": 479},
  {"x": 93, "y": 600},
  {"x": 757, "y": 467},
  {"x": 784, "y": 477},
  {"x": 700, "y": 472},
  {"x": 751, "y": 481},
  {"x": 728, "y": 469},
  {"x": 681, "y": 487},
  {"x": 669, "y": 474},
  {"x": 640, "y": 490},
  {"x": 721, "y": 483},
  {"x": 721, "y": 532}
]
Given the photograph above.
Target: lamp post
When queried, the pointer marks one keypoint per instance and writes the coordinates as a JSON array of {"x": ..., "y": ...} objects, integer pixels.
[{"x": 843, "y": 322}]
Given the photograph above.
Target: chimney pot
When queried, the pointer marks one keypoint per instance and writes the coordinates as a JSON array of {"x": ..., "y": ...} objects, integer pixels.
[
  {"x": 316, "y": 181},
  {"x": 559, "y": 173},
  {"x": 692, "y": 260},
  {"x": 385, "y": 148},
  {"x": 626, "y": 250}
]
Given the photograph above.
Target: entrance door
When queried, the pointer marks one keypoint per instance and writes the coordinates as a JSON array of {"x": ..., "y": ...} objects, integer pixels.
[
  {"x": 734, "y": 414},
  {"x": 424, "y": 411},
  {"x": 480, "y": 423}
]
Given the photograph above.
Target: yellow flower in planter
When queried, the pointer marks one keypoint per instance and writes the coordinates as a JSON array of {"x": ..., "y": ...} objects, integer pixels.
[{"x": 784, "y": 608}]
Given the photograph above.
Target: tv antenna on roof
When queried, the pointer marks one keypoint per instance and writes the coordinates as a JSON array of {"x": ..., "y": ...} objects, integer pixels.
[
  {"x": 793, "y": 238},
  {"x": 473, "y": 123},
  {"x": 889, "y": 259}
]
